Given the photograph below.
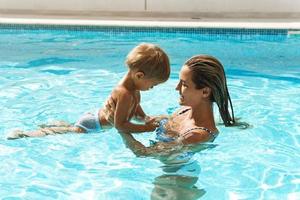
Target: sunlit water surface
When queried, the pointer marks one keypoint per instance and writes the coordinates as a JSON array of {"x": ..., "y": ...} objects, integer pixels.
[{"x": 58, "y": 74}]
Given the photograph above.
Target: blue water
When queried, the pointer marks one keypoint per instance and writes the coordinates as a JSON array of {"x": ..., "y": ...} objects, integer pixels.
[{"x": 57, "y": 74}]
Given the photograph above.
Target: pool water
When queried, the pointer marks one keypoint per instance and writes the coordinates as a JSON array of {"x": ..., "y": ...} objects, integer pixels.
[{"x": 47, "y": 75}]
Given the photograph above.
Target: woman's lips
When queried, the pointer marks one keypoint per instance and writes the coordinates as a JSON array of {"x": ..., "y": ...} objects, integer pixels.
[{"x": 181, "y": 98}]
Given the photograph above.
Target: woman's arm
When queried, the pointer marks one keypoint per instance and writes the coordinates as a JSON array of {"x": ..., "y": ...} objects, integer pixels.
[{"x": 158, "y": 149}]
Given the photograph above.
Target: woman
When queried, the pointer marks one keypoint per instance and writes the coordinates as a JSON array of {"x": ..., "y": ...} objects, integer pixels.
[{"x": 202, "y": 83}]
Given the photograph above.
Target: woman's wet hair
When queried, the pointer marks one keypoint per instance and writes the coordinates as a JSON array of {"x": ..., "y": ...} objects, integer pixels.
[{"x": 207, "y": 71}]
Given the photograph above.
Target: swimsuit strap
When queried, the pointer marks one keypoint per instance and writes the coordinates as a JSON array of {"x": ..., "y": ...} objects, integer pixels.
[
  {"x": 183, "y": 111},
  {"x": 214, "y": 135}
]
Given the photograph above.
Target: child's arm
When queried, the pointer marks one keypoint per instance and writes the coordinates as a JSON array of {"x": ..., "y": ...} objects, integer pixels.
[
  {"x": 140, "y": 114},
  {"x": 121, "y": 116}
]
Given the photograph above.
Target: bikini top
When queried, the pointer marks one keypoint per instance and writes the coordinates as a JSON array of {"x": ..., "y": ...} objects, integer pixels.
[{"x": 163, "y": 137}]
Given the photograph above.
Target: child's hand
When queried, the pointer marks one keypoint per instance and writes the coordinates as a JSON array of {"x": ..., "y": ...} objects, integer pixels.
[
  {"x": 151, "y": 124},
  {"x": 151, "y": 127}
]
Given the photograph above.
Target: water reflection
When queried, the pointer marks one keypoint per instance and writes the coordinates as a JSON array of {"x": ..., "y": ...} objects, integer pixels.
[
  {"x": 178, "y": 182},
  {"x": 180, "y": 175}
]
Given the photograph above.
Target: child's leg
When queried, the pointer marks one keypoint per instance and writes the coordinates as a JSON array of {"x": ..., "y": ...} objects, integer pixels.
[
  {"x": 45, "y": 131},
  {"x": 86, "y": 122},
  {"x": 57, "y": 123}
]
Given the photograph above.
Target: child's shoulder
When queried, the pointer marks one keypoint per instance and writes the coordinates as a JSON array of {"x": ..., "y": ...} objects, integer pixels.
[
  {"x": 121, "y": 92},
  {"x": 121, "y": 89}
]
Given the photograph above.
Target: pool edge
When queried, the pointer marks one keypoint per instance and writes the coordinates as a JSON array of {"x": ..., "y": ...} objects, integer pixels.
[{"x": 290, "y": 25}]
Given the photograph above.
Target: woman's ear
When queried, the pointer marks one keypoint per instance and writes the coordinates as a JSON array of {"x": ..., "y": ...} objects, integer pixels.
[
  {"x": 206, "y": 92},
  {"x": 139, "y": 75}
]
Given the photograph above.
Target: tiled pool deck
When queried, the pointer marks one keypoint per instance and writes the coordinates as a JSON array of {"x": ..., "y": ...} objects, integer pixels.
[{"x": 292, "y": 25}]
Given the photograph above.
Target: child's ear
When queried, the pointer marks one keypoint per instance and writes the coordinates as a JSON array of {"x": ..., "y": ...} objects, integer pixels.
[
  {"x": 206, "y": 92},
  {"x": 139, "y": 75}
]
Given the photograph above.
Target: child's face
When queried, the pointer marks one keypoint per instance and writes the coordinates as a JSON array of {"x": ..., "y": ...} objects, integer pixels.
[{"x": 146, "y": 83}]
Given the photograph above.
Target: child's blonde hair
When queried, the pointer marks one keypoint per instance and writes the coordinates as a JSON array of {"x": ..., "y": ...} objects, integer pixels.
[{"x": 151, "y": 60}]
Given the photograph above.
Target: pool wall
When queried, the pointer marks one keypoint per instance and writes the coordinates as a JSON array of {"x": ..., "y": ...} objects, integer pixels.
[{"x": 157, "y": 8}]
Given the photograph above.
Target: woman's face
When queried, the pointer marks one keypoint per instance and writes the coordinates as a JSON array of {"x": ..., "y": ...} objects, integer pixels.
[{"x": 189, "y": 95}]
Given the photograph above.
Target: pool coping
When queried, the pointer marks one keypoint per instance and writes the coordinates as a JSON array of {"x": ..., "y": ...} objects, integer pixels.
[{"x": 293, "y": 26}]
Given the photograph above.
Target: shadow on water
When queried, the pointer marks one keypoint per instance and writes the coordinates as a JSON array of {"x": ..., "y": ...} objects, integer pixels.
[
  {"x": 180, "y": 175},
  {"x": 247, "y": 73},
  {"x": 57, "y": 72},
  {"x": 46, "y": 61}
]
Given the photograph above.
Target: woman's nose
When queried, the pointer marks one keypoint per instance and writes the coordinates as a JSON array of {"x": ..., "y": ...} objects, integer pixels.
[{"x": 177, "y": 86}]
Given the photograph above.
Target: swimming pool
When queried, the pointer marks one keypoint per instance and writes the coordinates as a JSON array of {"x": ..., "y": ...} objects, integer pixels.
[{"x": 57, "y": 73}]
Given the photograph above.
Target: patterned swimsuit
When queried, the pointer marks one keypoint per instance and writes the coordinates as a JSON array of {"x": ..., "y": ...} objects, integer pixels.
[{"x": 163, "y": 137}]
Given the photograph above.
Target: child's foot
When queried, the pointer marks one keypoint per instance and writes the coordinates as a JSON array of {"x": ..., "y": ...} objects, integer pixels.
[{"x": 16, "y": 134}]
